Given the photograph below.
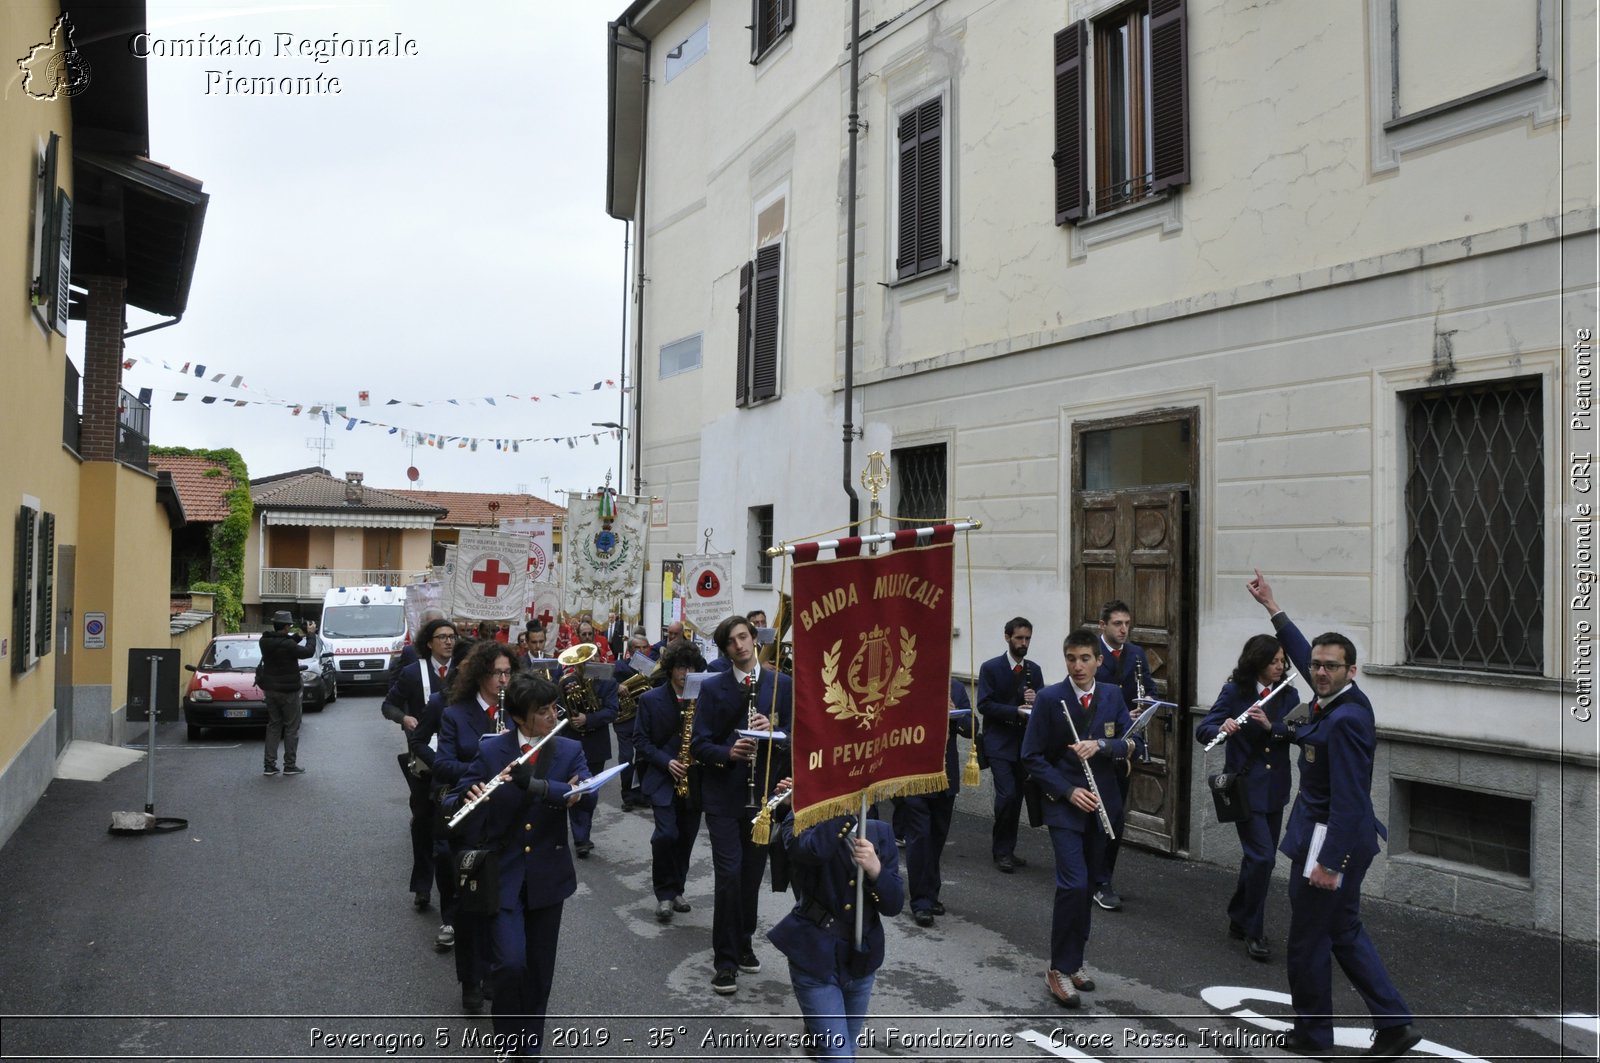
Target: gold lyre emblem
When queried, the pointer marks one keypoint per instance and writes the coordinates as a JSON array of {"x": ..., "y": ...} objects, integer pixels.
[
  {"x": 1111, "y": 730},
  {"x": 877, "y": 679},
  {"x": 1311, "y": 754}
]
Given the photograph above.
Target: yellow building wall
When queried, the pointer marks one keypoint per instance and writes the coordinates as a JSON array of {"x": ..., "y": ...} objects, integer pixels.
[{"x": 36, "y": 465}]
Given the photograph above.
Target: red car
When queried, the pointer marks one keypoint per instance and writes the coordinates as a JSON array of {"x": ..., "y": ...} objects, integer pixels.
[{"x": 223, "y": 692}]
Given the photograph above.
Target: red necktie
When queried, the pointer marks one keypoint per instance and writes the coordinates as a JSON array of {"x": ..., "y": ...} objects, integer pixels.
[
  {"x": 490, "y": 711},
  {"x": 1265, "y": 691},
  {"x": 1117, "y": 654},
  {"x": 442, "y": 670},
  {"x": 1017, "y": 670},
  {"x": 527, "y": 746},
  {"x": 533, "y": 759},
  {"x": 1084, "y": 700}
]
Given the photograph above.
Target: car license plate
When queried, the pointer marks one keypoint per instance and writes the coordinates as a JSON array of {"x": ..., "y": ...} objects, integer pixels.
[
  {"x": 236, "y": 714},
  {"x": 361, "y": 677}
]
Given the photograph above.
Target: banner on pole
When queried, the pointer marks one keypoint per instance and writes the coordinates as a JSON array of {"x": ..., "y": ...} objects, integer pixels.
[
  {"x": 872, "y": 674},
  {"x": 603, "y": 545},
  {"x": 707, "y": 590},
  {"x": 490, "y": 581}
]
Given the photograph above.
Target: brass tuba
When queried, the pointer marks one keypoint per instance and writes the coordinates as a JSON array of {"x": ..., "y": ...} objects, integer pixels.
[
  {"x": 577, "y": 693},
  {"x": 629, "y": 691}
]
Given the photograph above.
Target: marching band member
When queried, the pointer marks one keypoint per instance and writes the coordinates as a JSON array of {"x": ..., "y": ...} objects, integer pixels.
[
  {"x": 1336, "y": 751},
  {"x": 1260, "y": 751},
  {"x": 1124, "y": 665},
  {"x": 732, "y": 766},
  {"x": 664, "y": 778},
  {"x": 927, "y": 818},
  {"x": 593, "y": 730},
  {"x": 832, "y": 979},
  {"x": 1007, "y": 685},
  {"x": 526, "y": 820},
  {"x": 1076, "y": 816},
  {"x": 632, "y": 796},
  {"x": 474, "y": 712},
  {"x": 406, "y": 704}
]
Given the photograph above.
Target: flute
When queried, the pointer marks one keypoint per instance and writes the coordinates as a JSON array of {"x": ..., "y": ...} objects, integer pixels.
[
  {"x": 772, "y": 804},
  {"x": 1094, "y": 787},
  {"x": 1288, "y": 680},
  {"x": 493, "y": 784},
  {"x": 750, "y": 722}
]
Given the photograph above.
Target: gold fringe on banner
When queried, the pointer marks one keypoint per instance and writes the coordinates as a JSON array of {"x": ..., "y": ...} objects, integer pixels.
[
  {"x": 969, "y": 772},
  {"x": 850, "y": 804}
]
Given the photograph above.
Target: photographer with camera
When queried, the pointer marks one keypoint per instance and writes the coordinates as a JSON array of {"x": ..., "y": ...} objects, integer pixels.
[{"x": 279, "y": 679}]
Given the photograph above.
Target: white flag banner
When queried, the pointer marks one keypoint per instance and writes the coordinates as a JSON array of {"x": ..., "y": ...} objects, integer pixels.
[
  {"x": 603, "y": 546},
  {"x": 707, "y": 590},
  {"x": 490, "y": 581},
  {"x": 541, "y": 533},
  {"x": 420, "y": 597}
]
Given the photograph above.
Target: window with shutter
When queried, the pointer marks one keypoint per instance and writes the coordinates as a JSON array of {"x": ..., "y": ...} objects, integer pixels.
[
  {"x": 919, "y": 243},
  {"x": 741, "y": 365},
  {"x": 1140, "y": 148},
  {"x": 32, "y": 587},
  {"x": 770, "y": 20},
  {"x": 48, "y": 290},
  {"x": 765, "y": 327}
]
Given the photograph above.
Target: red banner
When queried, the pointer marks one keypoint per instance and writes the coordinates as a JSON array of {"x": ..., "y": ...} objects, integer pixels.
[{"x": 871, "y": 674}]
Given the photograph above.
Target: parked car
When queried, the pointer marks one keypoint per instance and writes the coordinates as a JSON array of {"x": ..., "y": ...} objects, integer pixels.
[{"x": 223, "y": 691}]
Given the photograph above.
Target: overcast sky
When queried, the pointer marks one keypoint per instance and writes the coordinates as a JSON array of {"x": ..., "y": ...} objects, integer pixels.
[{"x": 434, "y": 230}]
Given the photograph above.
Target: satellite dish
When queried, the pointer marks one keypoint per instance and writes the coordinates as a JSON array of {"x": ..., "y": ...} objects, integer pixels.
[{"x": 412, "y": 474}]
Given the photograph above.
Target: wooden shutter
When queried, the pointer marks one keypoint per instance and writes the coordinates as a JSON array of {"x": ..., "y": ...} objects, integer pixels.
[
  {"x": 921, "y": 172},
  {"x": 769, "y": 20},
  {"x": 741, "y": 390},
  {"x": 44, "y": 622},
  {"x": 1169, "y": 94},
  {"x": 785, "y": 17},
  {"x": 61, "y": 267},
  {"x": 1072, "y": 185},
  {"x": 22, "y": 592},
  {"x": 764, "y": 333}
]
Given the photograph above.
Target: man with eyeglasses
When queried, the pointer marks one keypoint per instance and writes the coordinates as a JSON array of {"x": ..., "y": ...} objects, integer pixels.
[
  {"x": 406, "y": 704},
  {"x": 1330, "y": 841}
]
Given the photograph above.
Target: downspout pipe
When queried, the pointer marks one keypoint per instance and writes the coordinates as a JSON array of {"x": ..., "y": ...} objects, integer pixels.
[
  {"x": 850, "y": 263},
  {"x": 638, "y": 251},
  {"x": 151, "y": 328}
]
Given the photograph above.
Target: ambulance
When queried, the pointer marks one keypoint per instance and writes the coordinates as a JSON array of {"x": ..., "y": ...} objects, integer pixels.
[{"x": 365, "y": 628}]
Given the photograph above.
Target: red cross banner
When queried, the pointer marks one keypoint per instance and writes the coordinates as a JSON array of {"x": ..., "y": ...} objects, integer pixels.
[
  {"x": 490, "y": 580},
  {"x": 871, "y": 673}
]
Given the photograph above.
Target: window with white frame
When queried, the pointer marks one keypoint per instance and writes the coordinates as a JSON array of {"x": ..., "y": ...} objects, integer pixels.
[
  {"x": 759, "y": 540},
  {"x": 680, "y": 356},
  {"x": 760, "y": 308},
  {"x": 770, "y": 22}
]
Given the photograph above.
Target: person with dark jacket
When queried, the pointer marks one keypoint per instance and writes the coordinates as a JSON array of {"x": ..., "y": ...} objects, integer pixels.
[{"x": 279, "y": 679}]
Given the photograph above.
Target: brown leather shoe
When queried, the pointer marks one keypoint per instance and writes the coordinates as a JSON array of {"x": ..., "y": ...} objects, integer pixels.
[
  {"x": 1062, "y": 989},
  {"x": 1083, "y": 982}
]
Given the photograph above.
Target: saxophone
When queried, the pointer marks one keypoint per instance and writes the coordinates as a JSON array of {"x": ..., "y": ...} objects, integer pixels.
[{"x": 681, "y": 786}]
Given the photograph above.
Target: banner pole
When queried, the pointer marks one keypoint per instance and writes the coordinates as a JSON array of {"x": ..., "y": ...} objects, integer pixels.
[
  {"x": 861, "y": 878},
  {"x": 883, "y": 537}
]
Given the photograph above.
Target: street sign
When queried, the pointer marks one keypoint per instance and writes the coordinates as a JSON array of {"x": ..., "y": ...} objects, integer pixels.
[
  {"x": 94, "y": 631},
  {"x": 162, "y": 668}
]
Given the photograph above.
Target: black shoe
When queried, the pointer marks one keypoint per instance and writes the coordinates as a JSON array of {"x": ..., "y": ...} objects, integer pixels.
[
  {"x": 923, "y": 916},
  {"x": 488, "y": 989},
  {"x": 293, "y": 770},
  {"x": 663, "y": 911},
  {"x": 584, "y": 849},
  {"x": 269, "y": 769},
  {"x": 679, "y": 904},
  {"x": 938, "y": 908},
  {"x": 1236, "y": 932},
  {"x": 419, "y": 900},
  {"x": 1298, "y": 1043},
  {"x": 1017, "y": 861},
  {"x": 1256, "y": 949},
  {"x": 725, "y": 983},
  {"x": 1107, "y": 898},
  {"x": 748, "y": 964},
  {"x": 1392, "y": 1042},
  {"x": 1007, "y": 864},
  {"x": 471, "y": 998}
]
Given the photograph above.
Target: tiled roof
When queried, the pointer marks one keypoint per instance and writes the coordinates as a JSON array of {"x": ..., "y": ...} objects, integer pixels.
[
  {"x": 318, "y": 491},
  {"x": 473, "y": 509},
  {"x": 200, "y": 482}
]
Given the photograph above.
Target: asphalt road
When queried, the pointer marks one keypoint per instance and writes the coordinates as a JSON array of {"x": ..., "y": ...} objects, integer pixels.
[{"x": 278, "y": 925}]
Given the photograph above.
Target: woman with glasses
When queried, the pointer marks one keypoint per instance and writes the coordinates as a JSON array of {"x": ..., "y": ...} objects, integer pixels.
[
  {"x": 474, "y": 711},
  {"x": 1258, "y": 748},
  {"x": 525, "y": 819}
]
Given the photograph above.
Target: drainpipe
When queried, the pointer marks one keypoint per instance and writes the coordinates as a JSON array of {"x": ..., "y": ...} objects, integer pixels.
[
  {"x": 638, "y": 251},
  {"x": 151, "y": 328},
  {"x": 850, "y": 262}
]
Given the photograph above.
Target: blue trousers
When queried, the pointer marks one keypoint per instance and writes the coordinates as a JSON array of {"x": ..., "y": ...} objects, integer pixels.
[
  {"x": 927, "y": 825},
  {"x": 670, "y": 846},
  {"x": 583, "y": 818},
  {"x": 629, "y": 781},
  {"x": 1008, "y": 776},
  {"x": 835, "y": 1010},
  {"x": 1124, "y": 782},
  {"x": 1324, "y": 923},
  {"x": 523, "y": 967},
  {"x": 1258, "y": 838},
  {"x": 1078, "y": 852},
  {"x": 737, "y": 864}
]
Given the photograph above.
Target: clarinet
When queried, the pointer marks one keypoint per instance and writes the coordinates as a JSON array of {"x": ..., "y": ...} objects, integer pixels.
[
  {"x": 500, "y": 712},
  {"x": 750, "y": 724},
  {"x": 1288, "y": 680},
  {"x": 1094, "y": 787}
]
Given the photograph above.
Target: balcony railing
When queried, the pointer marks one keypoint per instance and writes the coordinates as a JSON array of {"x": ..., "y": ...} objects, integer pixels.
[
  {"x": 310, "y": 584},
  {"x": 133, "y": 431}
]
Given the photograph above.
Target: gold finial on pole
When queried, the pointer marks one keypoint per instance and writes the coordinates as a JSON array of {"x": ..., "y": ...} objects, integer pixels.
[{"x": 875, "y": 477}]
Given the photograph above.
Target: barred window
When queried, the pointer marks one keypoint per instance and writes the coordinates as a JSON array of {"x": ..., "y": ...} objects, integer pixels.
[
  {"x": 1484, "y": 830},
  {"x": 920, "y": 482},
  {"x": 759, "y": 570},
  {"x": 1475, "y": 536}
]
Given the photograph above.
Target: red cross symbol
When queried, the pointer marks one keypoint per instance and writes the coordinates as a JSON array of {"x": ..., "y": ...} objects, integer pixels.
[
  {"x": 546, "y": 616},
  {"x": 491, "y": 578}
]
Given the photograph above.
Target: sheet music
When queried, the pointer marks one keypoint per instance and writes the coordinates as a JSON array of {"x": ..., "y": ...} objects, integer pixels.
[
  {"x": 1319, "y": 834},
  {"x": 604, "y": 777},
  {"x": 763, "y": 736}
]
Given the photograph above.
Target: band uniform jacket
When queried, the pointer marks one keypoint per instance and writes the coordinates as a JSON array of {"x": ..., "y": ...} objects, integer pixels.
[
  {"x": 1263, "y": 755},
  {"x": 999, "y": 694},
  {"x": 722, "y": 710},
  {"x": 959, "y": 725},
  {"x": 461, "y": 730},
  {"x": 1046, "y": 750},
  {"x": 596, "y": 733},
  {"x": 1123, "y": 671},
  {"x": 530, "y": 832},
  {"x": 658, "y": 737},
  {"x": 1336, "y": 750},
  {"x": 823, "y": 874},
  {"x": 410, "y": 691}
]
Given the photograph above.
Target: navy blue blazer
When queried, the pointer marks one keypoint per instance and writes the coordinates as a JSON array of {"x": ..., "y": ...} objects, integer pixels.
[
  {"x": 461, "y": 727},
  {"x": 530, "y": 832},
  {"x": 999, "y": 694},
  {"x": 1261, "y": 753},
  {"x": 1121, "y": 671},
  {"x": 407, "y": 690},
  {"x": 596, "y": 735},
  {"x": 961, "y": 725},
  {"x": 721, "y": 710},
  {"x": 1336, "y": 752},
  {"x": 1046, "y": 750},
  {"x": 822, "y": 871},
  {"x": 658, "y": 738}
]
